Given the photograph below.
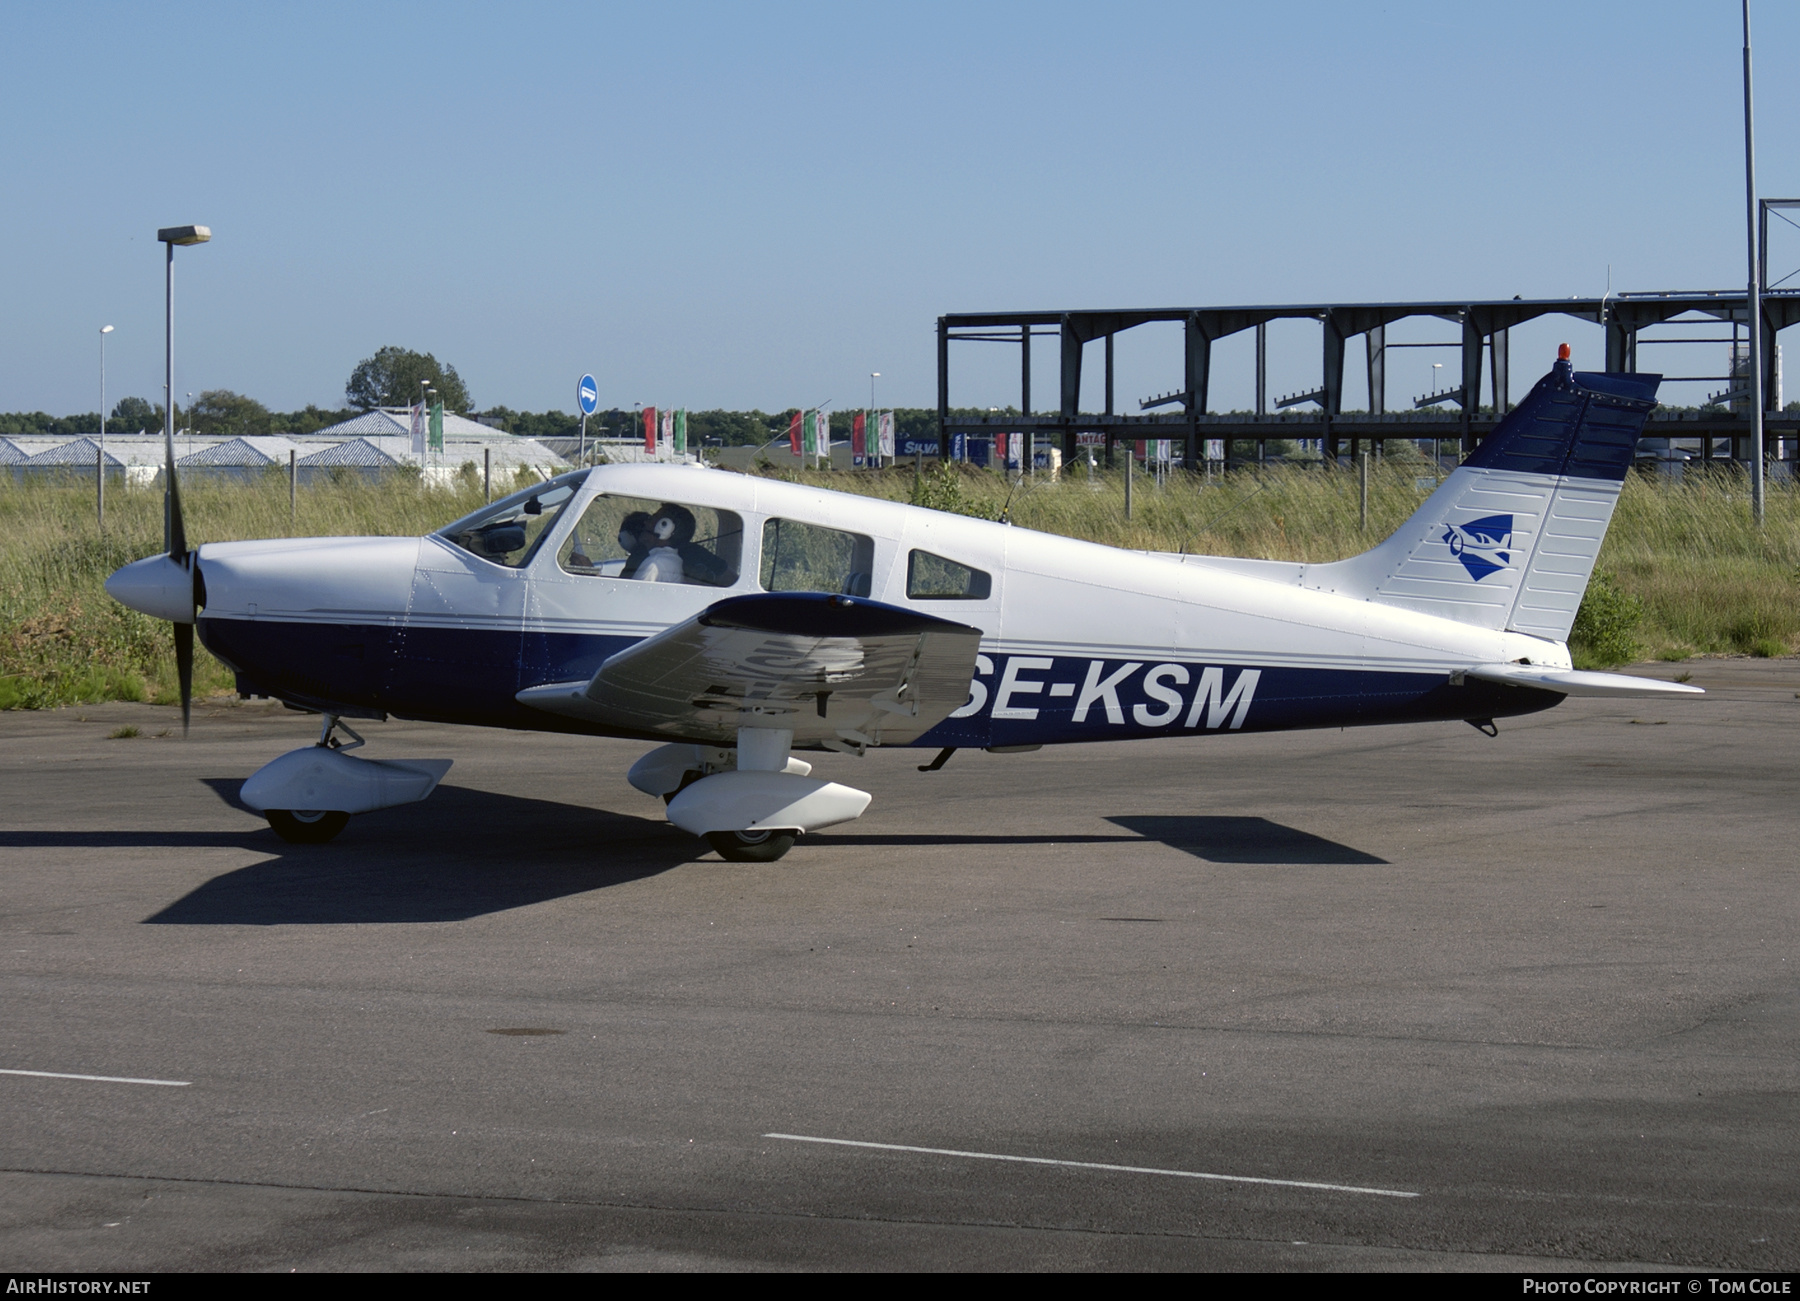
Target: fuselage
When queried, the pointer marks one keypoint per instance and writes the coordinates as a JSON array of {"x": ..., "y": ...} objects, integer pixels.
[{"x": 1080, "y": 642}]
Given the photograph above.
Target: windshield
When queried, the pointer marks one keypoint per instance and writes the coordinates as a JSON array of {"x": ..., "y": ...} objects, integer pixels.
[{"x": 508, "y": 531}]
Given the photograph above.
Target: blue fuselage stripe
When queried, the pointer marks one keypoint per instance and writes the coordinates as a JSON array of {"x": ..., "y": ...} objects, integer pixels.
[{"x": 462, "y": 675}]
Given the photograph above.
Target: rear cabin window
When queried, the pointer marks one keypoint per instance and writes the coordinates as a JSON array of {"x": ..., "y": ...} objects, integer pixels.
[
  {"x": 800, "y": 557},
  {"x": 933, "y": 578},
  {"x": 654, "y": 542}
]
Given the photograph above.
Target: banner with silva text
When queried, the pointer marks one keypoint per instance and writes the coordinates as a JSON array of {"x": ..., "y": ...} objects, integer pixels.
[{"x": 650, "y": 430}]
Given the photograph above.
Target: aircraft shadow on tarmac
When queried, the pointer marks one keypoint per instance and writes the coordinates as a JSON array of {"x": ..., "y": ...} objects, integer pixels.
[
  {"x": 1245, "y": 840},
  {"x": 1214, "y": 839},
  {"x": 469, "y": 853},
  {"x": 463, "y": 853}
]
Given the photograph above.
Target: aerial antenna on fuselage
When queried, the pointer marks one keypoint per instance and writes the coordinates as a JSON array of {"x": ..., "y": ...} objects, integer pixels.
[{"x": 1006, "y": 506}]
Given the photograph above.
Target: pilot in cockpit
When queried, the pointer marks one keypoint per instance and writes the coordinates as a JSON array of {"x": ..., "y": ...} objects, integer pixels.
[
  {"x": 667, "y": 552},
  {"x": 634, "y": 530},
  {"x": 664, "y": 538}
]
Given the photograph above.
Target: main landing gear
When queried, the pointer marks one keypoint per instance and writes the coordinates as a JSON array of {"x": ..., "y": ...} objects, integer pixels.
[
  {"x": 750, "y": 802},
  {"x": 750, "y": 846}
]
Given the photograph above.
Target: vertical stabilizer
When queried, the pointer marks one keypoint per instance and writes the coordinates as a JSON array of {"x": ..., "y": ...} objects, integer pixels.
[{"x": 1509, "y": 540}]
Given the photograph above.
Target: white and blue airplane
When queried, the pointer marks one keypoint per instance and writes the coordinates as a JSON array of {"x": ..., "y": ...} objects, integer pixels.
[{"x": 733, "y": 620}]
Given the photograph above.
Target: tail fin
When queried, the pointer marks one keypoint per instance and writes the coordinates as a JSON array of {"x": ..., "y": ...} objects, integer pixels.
[{"x": 1509, "y": 540}]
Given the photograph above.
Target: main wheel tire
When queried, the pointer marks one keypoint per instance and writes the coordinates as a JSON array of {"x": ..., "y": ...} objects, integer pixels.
[
  {"x": 750, "y": 846},
  {"x": 307, "y": 826}
]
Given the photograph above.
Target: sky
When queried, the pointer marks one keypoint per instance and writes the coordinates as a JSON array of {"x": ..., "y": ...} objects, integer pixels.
[{"x": 759, "y": 205}]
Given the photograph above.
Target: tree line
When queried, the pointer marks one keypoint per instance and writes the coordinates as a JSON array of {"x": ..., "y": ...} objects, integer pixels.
[
  {"x": 397, "y": 377},
  {"x": 225, "y": 414}
]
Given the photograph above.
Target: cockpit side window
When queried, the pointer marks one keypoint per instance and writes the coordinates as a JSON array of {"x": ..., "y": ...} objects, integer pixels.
[
  {"x": 654, "y": 542},
  {"x": 509, "y": 531},
  {"x": 933, "y": 578},
  {"x": 800, "y": 557}
]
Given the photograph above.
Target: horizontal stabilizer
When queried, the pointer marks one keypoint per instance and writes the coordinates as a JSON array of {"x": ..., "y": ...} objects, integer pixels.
[{"x": 1572, "y": 682}]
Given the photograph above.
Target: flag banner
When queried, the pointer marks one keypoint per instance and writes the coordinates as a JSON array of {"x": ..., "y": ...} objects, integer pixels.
[
  {"x": 1139, "y": 453},
  {"x": 885, "y": 448},
  {"x": 418, "y": 429},
  {"x": 794, "y": 434},
  {"x": 809, "y": 438},
  {"x": 650, "y": 430},
  {"x": 1215, "y": 449},
  {"x": 959, "y": 447},
  {"x": 859, "y": 425},
  {"x": 437, "y": 426},
  {"x": 681, "y": 433},
  {"x": 668, "y": 433}
]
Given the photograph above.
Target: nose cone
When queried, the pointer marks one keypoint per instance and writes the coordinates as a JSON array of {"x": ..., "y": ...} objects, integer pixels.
[{"x": 157, "y": 586}]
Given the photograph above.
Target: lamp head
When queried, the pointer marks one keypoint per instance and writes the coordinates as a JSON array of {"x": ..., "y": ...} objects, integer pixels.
[
  {"x": 106, "y": 329},
  {"x": 184, "y": 234}
]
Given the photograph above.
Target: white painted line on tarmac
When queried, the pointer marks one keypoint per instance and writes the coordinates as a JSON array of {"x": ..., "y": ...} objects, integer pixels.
[
  {"x": 100, "y": 1079},
  {"x": 1097, "y": 1165}
]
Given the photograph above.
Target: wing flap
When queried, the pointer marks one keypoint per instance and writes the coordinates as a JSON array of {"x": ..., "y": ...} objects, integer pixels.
[{"x": 836, "y": 670}]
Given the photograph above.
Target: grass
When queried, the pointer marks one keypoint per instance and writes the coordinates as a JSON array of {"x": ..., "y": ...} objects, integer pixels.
[{"x": 1684, "y": 571}]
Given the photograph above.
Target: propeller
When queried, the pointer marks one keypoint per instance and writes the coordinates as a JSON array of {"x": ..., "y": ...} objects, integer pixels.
[
  {"x": 168, "y": 586},
  {"x": 178, "y": 552}
]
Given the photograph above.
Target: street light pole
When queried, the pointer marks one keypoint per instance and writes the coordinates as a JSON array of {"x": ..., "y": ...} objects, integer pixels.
[
  {"x": 170, "y": 236},
  {"x": 1754, "y": 302},
  {"x": 100, "y": 460}
]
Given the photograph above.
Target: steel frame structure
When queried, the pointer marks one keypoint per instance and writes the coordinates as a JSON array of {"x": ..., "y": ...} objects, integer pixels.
[{"x": 1483, "y": 328}]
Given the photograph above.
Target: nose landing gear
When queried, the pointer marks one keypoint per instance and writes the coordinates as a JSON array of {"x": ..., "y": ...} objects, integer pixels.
[
  {"x": 306, "y": 826},
  {"x": 308, "y": 795}
]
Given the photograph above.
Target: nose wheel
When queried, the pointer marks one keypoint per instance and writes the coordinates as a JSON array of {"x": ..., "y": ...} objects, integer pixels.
[
  {"x": 750, "y": 846},
  {"x": 307, "y": 826}
]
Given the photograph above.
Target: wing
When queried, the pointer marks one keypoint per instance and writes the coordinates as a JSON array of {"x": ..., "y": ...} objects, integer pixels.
[{"x": 840, "y": 671}]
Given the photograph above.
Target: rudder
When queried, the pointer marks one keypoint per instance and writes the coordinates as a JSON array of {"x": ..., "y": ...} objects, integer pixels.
[{"x": 1509, "y": 540}]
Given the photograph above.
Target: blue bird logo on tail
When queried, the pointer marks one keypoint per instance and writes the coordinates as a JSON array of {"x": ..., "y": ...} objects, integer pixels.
[{"x": 1484, "y": 546}]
